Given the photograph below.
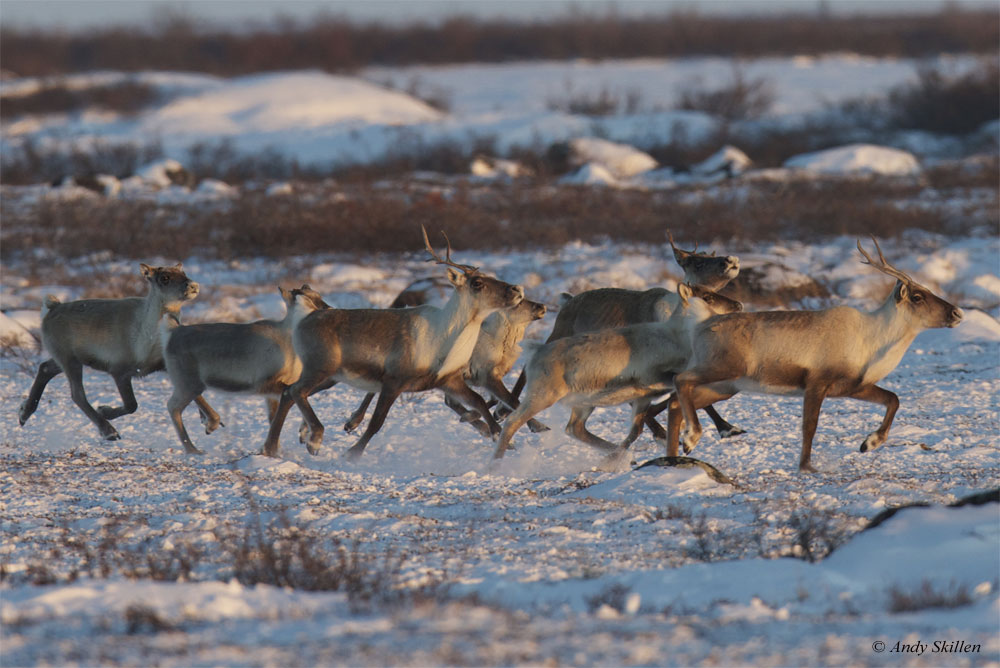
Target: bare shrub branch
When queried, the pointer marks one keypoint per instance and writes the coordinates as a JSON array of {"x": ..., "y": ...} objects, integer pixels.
[{"x": 926, "y": 596}]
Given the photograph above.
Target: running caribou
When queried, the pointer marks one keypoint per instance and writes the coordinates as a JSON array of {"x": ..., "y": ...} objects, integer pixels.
[
  {"x": 253, "y": 357},
  {"x": 608, "y": 308},
  {"x": 391, "y": 351},
  {"x": 836, "y": 352},
  {"x": 632, "y": 364},
  {"x": 118, "y": 336}
]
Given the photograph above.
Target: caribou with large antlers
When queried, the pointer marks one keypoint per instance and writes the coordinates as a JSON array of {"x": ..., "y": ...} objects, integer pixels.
[
  {"x": 392, "y": 351},
  {"x": 837, "y": 352}
]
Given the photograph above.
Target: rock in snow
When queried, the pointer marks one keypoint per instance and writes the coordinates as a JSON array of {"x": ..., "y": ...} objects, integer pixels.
[
  {"x": 857, "y": 159},
  {"x": 620, "y": 160},
  {"x": 728, "y": 160},
  {"x": 590, "y": 174}
]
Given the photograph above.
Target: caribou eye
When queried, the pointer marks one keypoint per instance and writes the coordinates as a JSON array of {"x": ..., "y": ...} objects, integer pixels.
[
  {"x": 164, "y": 279},
  {"x": 917, "y": 298},
  {"x": 477, "y": 284}
]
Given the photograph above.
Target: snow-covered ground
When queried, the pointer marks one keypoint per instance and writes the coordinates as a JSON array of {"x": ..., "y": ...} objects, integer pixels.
[
  {"x": 316, "y": 118},
  {"x": 130, "y": 552},
  {"x": 545, "y": 558}
]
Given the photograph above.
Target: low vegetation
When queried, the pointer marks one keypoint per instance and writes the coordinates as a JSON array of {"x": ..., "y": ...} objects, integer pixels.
[
  {"x": 938, "y": 101},
  {"x": 955, "y": 105},
  {"x": 742, "y": 98},
  {"x": 56, "y": 96},
  {"x": 277, "y": 552},
  {"x": 185, "y": 43},
  {"x": 367, "y": 217},
  {"x": 914, "y": 599}
]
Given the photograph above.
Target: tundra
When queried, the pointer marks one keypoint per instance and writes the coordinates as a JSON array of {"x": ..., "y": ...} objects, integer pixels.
[
  {"x": 118, "y": 336},
  {"x": 837, "y": 352}
]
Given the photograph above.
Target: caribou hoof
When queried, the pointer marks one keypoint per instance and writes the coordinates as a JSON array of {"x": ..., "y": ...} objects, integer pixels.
[
  {"x": 731, "y": 431},
  {"x": 22, "y": 413},
  {"x": 537, "y": 427},
  {"x": 873, "y": 441}
]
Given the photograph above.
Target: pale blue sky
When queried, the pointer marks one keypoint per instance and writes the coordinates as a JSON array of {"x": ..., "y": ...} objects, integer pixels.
[{"x": 75, "y": 14}]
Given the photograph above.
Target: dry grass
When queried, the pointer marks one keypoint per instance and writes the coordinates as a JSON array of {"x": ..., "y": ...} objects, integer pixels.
[
  {"x": 31, "y": 164},
  {"x": 742, "y": 98},
  {"x": 926, "y": 596},
  {"x": 278, "y": 553},
  {"x": 127, "y": 97},
  {"x": 816, "y": 533},
  {"x": 368, "y": 218}
]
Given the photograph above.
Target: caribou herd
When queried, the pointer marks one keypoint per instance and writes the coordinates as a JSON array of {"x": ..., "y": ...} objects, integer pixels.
[{"x": 694, "y": 348}]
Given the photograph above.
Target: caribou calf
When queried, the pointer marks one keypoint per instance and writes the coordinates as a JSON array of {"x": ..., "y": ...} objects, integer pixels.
[
  {"x": 118, "y": 336},
  {"x": 837, "y": 352},
  {"x": 253, "y": 357}
]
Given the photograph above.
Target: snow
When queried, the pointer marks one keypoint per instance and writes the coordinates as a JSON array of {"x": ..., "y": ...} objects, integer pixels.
[
  {"x": 13, "y": 330},
  {"x": 498, "y": 168},
  {"x": 590, "y": 174},
  {"x": 291, "y": 101},
  {"x": 158, "y": 174},
  {"x": 857, "y": 159},
  {"x": 314, "y": 118},
  {"x": 728, "y": 159},
  {"x": 543, "y": 558},
  {"x": 620, "y": 160},
  {"x": 602, "y": 567}
]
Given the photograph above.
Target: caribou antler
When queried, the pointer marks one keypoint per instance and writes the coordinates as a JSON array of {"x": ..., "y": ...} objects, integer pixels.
[
  {"x": 670, "y": 238},
  {"x": 883, "y": 265},
  {"x": 465, "y": 268}
]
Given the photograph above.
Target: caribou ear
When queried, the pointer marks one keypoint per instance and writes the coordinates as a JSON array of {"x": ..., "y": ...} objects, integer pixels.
[
  {"x": 457, "y": 278},
  {"x": 285, "y": 294},
  {"x": 902, "y": 291},
  {"x": 147, "y": 271},
  {"x": 685, "y": 293}
]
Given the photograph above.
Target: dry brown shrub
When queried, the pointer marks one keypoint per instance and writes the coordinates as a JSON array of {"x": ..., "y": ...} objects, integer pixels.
[
  {"x": 742, "y": 98},
  {"x": 387, "y": 218},
  {"x": 927, "y": 596},
  {"x": 948, "y": 104},
  {"x": 127, "y": 97},
  {"x": 334, "y": 44}
]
